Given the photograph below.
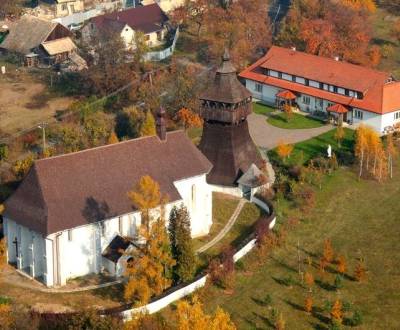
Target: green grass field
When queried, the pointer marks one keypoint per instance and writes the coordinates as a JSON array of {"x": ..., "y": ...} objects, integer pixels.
[
  {"x": 361, "y": 219},
  {"x": 262, "y": 109},
  {"x": 316, "y": 147},
  {"x": 296, "y": 122}
]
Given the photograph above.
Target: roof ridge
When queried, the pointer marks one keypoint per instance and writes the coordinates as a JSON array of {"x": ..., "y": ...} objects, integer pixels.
[{"x": 104, "y": 146}]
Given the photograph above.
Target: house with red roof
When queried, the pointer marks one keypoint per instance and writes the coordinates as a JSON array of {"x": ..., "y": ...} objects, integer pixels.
[
  {"x": 327, "y": 87},
  {"x": 150, "y": 19}
]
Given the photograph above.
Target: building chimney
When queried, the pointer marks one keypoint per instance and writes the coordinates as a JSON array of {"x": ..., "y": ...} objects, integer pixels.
[
  {"x": 293, "y": 48},
  {"x": 160, "y": 125},
  {"x": 336, "y": 58}
]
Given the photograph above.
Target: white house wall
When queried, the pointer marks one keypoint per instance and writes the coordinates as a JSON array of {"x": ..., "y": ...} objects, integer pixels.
[{"x": 197, "y": 197}]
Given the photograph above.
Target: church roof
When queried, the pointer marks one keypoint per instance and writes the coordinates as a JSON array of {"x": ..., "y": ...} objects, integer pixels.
[
  {"x": 226, "y": 87},
  {"x": 76, "y": 189}
]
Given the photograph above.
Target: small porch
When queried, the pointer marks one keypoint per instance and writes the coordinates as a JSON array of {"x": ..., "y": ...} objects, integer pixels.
[
  {"x": 284, "y": 99},
  {"x": 338, "y": 114}
]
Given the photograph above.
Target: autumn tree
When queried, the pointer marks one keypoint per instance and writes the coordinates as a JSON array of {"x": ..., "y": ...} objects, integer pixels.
[
  {"x": 337, "y": 312},
  {"x": 113, "y": 138},
  {"x": 361, "y": 146},
  {"x": 309, "y": 279},
  {"x": 128, "y": 122},
  {"x": 149, "y": 271},
  {"x": 7, "y": 320},
  {"x": 360, "y": 272},
  {"x": 368, "y": 5},
  {"x": 280, "y": 322},
  {"x": 97, "y": 126},
  {"x": 22, "y": 166},
  {"x": 328, "y": 250},
  {"x": 149, "y": 125},
  {"x": 391, "y": 152},
  {"x": 327, "y": 28},
  {"x": 189, "y": 118},
  {"x": 181, "y": 244},
  {"x": 287, "y": 108},
  {"x": 146, "y": 196},
  {"x": 339, "y": 135},
  {"x": 284, "y": 150},
  {"x": 10, "y": 8},
  {"x": 3, "y": 152},
  {"x": 341, "y": 264},
  {"x": 190, "y": 316},
  {"x": 308, "y": 304}
]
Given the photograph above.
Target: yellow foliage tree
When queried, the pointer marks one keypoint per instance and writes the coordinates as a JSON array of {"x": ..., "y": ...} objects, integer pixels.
[
  {"x": 22, "y": 166},
  {"x": 309, "y": 278},
  {"x": 7, "y": 320},
  {"x": 336, "y": 312},
  {"x": 284, "y": 150},
  {"x": 391, "y": 152},
  {"x": 360, "y": 273},
  {"x": 280, "y": 322},
  {"x": 287, "y": 108},
  {"x": 368, "y": 5},
  {"x": 341, "y": 264},
  {"x": 149, "y": 272},
  {"x": 148, "y": 127},
  {"x": 328, "y": 250},
  {"x": 189, "y": 118},
  {"x": 221, "y": 321},
  {"x": 145, "y": 197},
  {"x": 113, "y": 138},
  {"x": 339, "y": 135},
  {"x": 361, "y": 146}
]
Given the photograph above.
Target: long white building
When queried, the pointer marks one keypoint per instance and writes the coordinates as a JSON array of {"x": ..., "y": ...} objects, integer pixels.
[
  {"x": 71, "y": 214},
  {"x": 320, "y": 85}
]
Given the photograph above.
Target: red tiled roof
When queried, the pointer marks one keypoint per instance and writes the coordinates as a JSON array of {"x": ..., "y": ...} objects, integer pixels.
[
  {"x": 76, "y": 189},
  {"x": 380, "y": 96},
  {"x": 147, "y": 19},
  {"x": 337, "y": 108},
  {"x": 285, "y": 94}
]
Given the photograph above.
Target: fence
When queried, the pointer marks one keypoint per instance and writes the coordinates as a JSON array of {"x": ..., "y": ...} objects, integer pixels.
[{"x": 163, "y": 54}]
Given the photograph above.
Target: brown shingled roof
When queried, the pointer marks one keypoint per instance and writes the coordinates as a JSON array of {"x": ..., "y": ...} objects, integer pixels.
[
  {"x": 67, "y": 191},
  {"x": 147, "y": 19}
]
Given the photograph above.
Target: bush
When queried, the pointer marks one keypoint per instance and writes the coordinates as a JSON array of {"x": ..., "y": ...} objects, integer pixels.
[
  {"x": 345, "y": 158},
  {"x": 5, "y": 300},
  {"x": 239, "y": 265},
  {"x": 3, "y": 152},
  {"x": 357, "y": 319}
]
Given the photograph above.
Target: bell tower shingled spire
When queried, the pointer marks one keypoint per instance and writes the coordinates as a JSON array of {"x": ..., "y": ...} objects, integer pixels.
[{"x": 226, "y": 140}]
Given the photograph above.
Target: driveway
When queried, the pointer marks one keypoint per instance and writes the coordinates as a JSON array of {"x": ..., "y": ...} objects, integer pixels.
[{"x": 267, "y": 136}]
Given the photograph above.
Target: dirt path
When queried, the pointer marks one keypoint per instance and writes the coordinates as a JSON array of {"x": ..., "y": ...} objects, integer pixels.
[
  {"x": 267, "y": 136},
  {"x": 225, "y": 230}
]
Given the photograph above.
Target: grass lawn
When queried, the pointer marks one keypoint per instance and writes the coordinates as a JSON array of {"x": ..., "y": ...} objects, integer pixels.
[
  {"x": 223, "y": 208},
  {"x": 240, "y": 230},
  {"x": 317, "y": 146},
  {"x": 296, "y": 122},
  {"x": 262, "y": 109},
  {"x": 361, "y": 219}
]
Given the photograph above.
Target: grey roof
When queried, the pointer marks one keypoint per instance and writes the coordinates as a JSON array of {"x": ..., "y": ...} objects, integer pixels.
[
  {"x": 28, "y": 33},
  {"x": 251, "y": 177}
]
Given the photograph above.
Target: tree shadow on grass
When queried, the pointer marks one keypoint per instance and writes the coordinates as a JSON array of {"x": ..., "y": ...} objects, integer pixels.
[
  {"x": 113, "y": 292},
  {"x": 309, "y": 253},
  {"x": 294, "y": 305},
  {"x": 284, "y": 265},
  {"x": 325, "y": 285},
  {"x": 259, "y": 301},
  {"x": 265, "y": 319},
  {"x": 318, "y": 326},
  {"x": 320, "y": 316}
]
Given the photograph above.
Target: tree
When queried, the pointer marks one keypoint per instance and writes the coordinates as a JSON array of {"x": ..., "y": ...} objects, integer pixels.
[
  {"x": 328, "y": 250},
  {"x": 336, "y": 312},
  {"x": 339, "y": 135},
  {"x": 284, "y": 150},
  {"x": 190, "y": 316},
  {"x": 71, "y": 137},
  {"x": 10, "y": 8},
  {"x": 149, "y": 125},
  {"x": 3, "y": 254},
  {"x": 341, "y": 264},
  {"x": 391, "y": 152},
  {"x": 149, "y": 271},
  {"x": 7, "y": 320},
  {"x": 280, "y": 322},
  {"x": 368, "y": 5},
  {"x": 309, "y": 278},
  {"x": 97, "y": 126},
  {"x": 145, "y": 197},
  {"x": 3, "y": 152},
  {"x": 360, "y": 273},
  {"x": 361, "y": 146},
  {"x": 141, "y": 49},
  {"x": 22, "y": 166},
  {"x": 189, "y": 119},
  {"x": 113, "y": 138},
  {"x": 375, "y": 55},
  {"x": 308, "y": 304},
  {"x": 287, "y": 108},
  {"x": 129, "y": 122},
  {"x": 181, "y": 244}
]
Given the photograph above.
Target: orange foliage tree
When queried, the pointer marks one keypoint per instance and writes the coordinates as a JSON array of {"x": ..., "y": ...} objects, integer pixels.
[
  {"x": 284, "y": 150},
  {"x": 341, "y": 264},
  {"x": 328, "y": 250},
  {"x": 309, "y": 278},
  {"x": 308, "y": 304},
  {"x": 113, "y": 138},
  {"x": 189, "y": 118},
  {"x": 360, "y": 272},
  {"x": 337, "y": 312},
  {"x": 368, "y": 5}
]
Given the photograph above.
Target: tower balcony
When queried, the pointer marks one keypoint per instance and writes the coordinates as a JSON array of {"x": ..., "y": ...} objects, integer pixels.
[{"x": 225, "y": 113}]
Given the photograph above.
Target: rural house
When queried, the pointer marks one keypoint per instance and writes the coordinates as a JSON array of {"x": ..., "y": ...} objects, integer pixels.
[
  {"x": 327, "y": 87},
  {"x": 71, "y": 215},
  {"x": 68, "y": 7},
  {"x": 150, "y": 20},
  {"x": 38, "y": 41}
]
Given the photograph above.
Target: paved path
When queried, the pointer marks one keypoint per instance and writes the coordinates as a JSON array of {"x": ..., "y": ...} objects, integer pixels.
[
  {"x": 226, "y": 229},
  {"x": 267, "y": 136}
]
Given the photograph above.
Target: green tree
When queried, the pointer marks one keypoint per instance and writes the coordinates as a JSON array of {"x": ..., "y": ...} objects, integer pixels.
[
  {"x": 148, "y": 127},
  {"x": 3, "y": 152},
  {"x": 22, "y": 166},
  {"x": 129, "y": 123},
  {"x": 181, "y": 244},
  {"x": 97, "y": 127},
  {"x": 71, "y": 137}
]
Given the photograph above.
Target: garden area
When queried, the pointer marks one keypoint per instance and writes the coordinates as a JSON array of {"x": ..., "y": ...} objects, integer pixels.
[{"x": 294, "y": 121}]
